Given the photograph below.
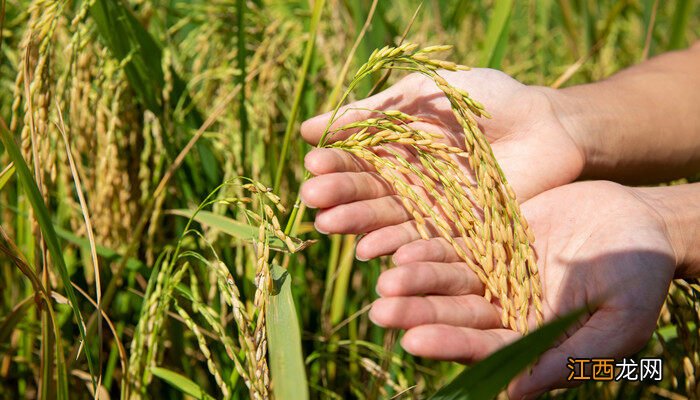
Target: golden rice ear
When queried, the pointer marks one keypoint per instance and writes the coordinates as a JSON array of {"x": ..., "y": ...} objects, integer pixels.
[{"x": 485, "y": 213}]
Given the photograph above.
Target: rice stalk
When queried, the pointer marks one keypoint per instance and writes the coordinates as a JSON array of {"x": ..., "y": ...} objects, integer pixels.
[
  {"x": 201, "y": 341},
  {"x": 249, "y": 354}
]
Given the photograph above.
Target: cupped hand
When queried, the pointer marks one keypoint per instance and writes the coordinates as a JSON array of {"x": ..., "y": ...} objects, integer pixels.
[
  {"x": 597, "y": 242},
  {"x": 533, "y": 148}
]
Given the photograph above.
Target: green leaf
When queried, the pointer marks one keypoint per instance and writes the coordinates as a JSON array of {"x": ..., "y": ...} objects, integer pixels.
[
  {"x": 670, "y": 332},
  {"x": 102, "y": 251},
  {"x": 224, "y": 224},
  {"x": 681, "y": 16},
  {"x": 287, "y": 368},
  {"x": 52, "y": 244},
  {"x": 234, "y": 228},
  {"x": 126, "y": 38},
  {"x": 487, "y": 378},
  {"x": 7, "y": 325},
  {"x": 497, "y": 34},
  {"x": 241, "y": 51},
  {"x": 298, "y": 91},
  {"x": 109, "y": 254},
  {"x": 181, "y": 383},
  {"x": 6, "y": 174}
]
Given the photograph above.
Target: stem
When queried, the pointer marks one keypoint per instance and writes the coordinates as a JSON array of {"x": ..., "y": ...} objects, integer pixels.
[
  {"x": 241, "y": 61},
  {"x": 293, "y": 216},
  {"x": 298, "y": 90}
]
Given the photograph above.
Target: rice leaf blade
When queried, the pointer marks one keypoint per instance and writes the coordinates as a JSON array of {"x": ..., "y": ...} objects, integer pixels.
[
  {"x": 228, "y": 226},
  {"x": 181, "y": 383},
  {"x": 125, "y": 37},
  {"x": 342, "y": 282},
  {"x": 241, "y": 61},
  {"x": 287, "y": 368},
  {"x": 7, "y": 174},
  {"x": 497, "y": 34},
  {"x": 487, "y": 378},
  {"x": 102, "y": 251},
  {"x": 681, "y": 16},
  {"x": 47, "y": 384},
  {"x": 52, "y": 244},
  {"x": 14, "y": 317},
  {"x": 298, "y": 91}
]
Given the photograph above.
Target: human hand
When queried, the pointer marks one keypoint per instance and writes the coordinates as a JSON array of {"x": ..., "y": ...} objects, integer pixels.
[
  {"x": 531, "y": 145},
  {"x": 596, "y": 242}
]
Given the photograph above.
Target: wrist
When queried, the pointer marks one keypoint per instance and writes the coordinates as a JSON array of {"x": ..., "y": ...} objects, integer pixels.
[
  {"x": 596, "y": 118},
  {"x": 573, "y": 112},
  {"x": 679, "y": 213}
]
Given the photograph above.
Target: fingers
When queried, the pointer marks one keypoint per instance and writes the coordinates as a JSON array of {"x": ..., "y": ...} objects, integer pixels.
[
  {"x": 407, "y": 312},
  {"x": 313, "y": 129},
  {"x": 418, "y": 279},
  {"x": 362, "y": 216},
  {"x": 452, "y": 343},
  {"x": 387, "y": 240},
  {"x": 332, "y": 189},
  {"x": 326, "y": 161},
  {"x": 437, "y": 250}
]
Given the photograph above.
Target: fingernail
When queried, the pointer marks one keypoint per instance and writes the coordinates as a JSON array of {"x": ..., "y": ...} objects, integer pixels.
[
  {"x": 320, "y": 230},
  {"x": 358, "y": 258},
  {"x": 310, "y": 160},
  {"x": 307, "y": 205},
  {"x": 531, "y": 395},
  {"x": 377, "y": 291},
  {"x": 371, "y": 318},
  {"x": 307, "y": 157},
  {"x": 303, "y": 192}
]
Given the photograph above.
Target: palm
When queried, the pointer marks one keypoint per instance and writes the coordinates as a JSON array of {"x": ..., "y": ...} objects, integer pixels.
[
  {"x": 596, "y": 242},
  {"x": 528, "y": 141}
]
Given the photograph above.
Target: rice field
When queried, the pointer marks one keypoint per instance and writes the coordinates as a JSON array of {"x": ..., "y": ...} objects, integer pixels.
[{"x": 152, "y": 241}]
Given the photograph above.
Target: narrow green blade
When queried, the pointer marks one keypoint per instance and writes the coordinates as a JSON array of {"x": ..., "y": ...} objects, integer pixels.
[
  {"x": 497, "y": 34},
  {"x": 229, "y": 226},
  {"x": 102, "y": 251},
  {"x": 8, "y": 323},
  {"x": 681, "y": 16},
  {"x": 487, "y": 378},
  {"x": 125, "y": 37},
  {"x": 181, "y": 383},
  {"x": 45, "y": 224},
  {"x": 287, "y": 368},
  {"x": 6, "y": 174},
  {"x": 298, "y": 91}
]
